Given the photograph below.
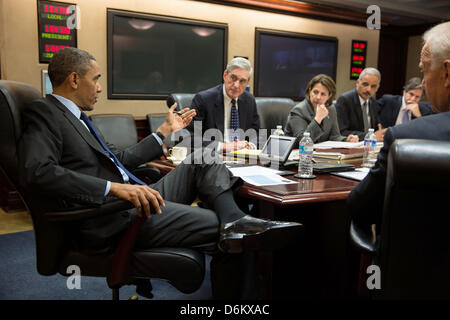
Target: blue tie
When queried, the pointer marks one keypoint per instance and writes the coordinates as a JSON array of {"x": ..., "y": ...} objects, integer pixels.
[
  {"x": 234, "y": 121},
  {"x": 86, "y": 120}
]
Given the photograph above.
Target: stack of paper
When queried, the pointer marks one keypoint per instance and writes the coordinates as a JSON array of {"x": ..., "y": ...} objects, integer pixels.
[{"x": 260, "y": 176}]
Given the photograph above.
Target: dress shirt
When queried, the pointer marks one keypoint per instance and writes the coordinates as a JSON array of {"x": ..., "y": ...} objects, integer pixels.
[
  {"x": 361, "y": 101},
  {"x": 227, "y": 114}
]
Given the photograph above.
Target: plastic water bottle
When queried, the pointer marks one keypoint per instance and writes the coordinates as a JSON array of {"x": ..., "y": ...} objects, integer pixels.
[
  {"x": 369, "y": 156},
  {"x": 305, "y": 165},
  {"x": 279, "y": 131}
]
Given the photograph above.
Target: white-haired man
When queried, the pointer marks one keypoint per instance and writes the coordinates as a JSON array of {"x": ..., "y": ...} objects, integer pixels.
[
  {"x": 365, "y": 202},
  {"x": 228, "y": 109}
]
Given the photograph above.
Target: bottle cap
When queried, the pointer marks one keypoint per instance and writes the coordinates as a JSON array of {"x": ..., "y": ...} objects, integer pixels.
[
  {"x": 278, "y": 126},
  {"x": 306, "y": 134}
]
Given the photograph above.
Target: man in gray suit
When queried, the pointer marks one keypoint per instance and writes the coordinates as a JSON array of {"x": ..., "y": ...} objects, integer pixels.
[{"x": 68, "y": 164}]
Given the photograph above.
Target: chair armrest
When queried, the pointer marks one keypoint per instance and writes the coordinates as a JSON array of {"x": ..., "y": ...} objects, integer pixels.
[
  {"x": 361, "y": 240},
  {"x": 87, "y": 213}
]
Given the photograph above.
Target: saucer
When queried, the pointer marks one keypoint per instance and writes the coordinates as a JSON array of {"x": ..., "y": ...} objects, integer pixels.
[{"x": 175, "y": 161}]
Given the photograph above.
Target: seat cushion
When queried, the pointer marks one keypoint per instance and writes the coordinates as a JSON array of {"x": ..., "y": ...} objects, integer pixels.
[{"x": 184, "y": 268}]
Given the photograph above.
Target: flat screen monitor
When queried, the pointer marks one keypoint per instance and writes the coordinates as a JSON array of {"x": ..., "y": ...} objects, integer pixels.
[
  {"x": 46, "y": 85},
  {"x": 285, "y": 62},
  {"x": 151, "y": 56}
]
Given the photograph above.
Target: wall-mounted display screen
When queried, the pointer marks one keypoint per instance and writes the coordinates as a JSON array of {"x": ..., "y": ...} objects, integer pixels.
[
  {"x": 151, "y": 56},
  {"x": 285, "y": 62},
  {"x": 358, "y": 58},
  {"x": 56, "y": 27}
]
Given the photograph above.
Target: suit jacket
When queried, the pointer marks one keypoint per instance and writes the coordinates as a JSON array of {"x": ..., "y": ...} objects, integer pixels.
[
  {"x": 390, "y": 107},
  {"x": 301, "y": 119},
  {"x": 365, "y": 202},
  {"x": 210, "y": 112},
  {"x": 349, "y": 114},
  {"x": 65, "y": 167}
]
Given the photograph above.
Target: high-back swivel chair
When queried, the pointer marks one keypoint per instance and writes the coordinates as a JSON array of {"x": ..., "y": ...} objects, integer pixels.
[
  {"x": 273, "y": 112},
  {"x": 183, "y": 100},
  {"x": 118, "y": 129},
  {"x": 414, "y": 247},
  {"x": 183, "y": 268}
]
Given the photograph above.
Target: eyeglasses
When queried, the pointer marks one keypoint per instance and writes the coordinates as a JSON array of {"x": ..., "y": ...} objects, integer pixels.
[{"x": 234, "y": 78}]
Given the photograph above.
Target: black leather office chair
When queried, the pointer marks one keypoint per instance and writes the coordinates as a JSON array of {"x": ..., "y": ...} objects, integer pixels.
[
  {"x": 273, "y": 111},
  {"x": 157, "y": 119},
  {"x": 414, "y": 250},
  {"x": 183, "y": 268},
  {"x": 120, "y": 130},
  {"x": 183, "y": 100}
]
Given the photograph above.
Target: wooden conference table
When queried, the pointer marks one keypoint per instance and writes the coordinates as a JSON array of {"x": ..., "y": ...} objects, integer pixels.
[{"x": 323, "y": 265}]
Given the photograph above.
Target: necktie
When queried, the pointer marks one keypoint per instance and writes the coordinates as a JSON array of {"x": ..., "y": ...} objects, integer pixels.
[
  {"x": 405, "y": 116},
  {"x": 120, "y": 265},
  {"x": 365, "y": 119},
  {"x": 86, "y": 120},
  {"x": 234, "y": 121}
]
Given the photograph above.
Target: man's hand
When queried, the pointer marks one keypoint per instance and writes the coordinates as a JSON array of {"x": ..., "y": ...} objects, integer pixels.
[
  {"x": 352, "y": 138},
  {"x": 176, "y": 120},
  {"x": 235, "y": 145},
  {"x": 380, "y": 133},
  {"x": 414, "y": 108},
  {"x": 140, "y": 196}
]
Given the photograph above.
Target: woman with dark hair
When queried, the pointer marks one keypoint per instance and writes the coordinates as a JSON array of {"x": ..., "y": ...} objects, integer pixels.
[{"x": 316, "y": 114}]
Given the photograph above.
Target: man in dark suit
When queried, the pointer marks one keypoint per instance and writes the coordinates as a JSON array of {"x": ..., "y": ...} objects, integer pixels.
[
  {"x": 67, "y": 164},
  {"x": 365, "y": 202},
  {"x": 396, "y": 109},
  {"x": 226, "y": 111},
  {"x": 357, "y": 109}
]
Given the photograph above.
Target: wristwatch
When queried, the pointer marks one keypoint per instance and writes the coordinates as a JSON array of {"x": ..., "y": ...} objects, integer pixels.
[{"x": 160, "y": 135}]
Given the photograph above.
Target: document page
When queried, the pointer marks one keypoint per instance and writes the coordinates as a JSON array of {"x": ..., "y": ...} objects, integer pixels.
[
  {"x": 338, "y": 144},
  {"x": 260, "y": 176},
  {"x": 358, "y": 174}
]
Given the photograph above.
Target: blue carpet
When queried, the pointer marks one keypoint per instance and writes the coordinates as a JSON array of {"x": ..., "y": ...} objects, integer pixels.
[{"x": 19, "y": 279}]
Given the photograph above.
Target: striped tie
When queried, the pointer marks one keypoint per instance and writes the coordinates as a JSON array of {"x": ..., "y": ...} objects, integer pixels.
[{"x": 234, "y": 121}]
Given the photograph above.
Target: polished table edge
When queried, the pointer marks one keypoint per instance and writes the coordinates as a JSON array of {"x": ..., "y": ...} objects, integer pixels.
[{"x": 339, "y": 191}]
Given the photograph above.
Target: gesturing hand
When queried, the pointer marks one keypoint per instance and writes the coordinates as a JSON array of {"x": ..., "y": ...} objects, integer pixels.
[
  {"x": 140, "y": 196},
  {"x": 176, "y": 120}
]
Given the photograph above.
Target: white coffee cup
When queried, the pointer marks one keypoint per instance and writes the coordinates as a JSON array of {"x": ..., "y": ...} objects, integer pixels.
[{"x": 178, "y": 153}]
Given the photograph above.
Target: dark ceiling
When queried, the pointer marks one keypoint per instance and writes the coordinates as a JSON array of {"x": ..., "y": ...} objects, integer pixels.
[{"x": 400, "y": 13}]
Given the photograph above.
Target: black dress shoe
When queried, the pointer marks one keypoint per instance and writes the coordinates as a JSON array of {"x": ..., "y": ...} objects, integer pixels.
[{"x": 250, "y": 233}]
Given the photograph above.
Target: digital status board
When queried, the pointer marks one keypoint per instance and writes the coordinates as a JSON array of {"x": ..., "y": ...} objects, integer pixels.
[
  {"x": 358, "y": 58},
  {"x": 57, "y": 28}
]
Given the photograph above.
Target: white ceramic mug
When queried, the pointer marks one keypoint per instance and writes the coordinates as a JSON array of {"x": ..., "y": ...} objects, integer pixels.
[{"x": 178, "y": 153}]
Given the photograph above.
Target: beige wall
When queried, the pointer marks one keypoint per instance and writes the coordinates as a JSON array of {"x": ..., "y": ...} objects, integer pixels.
[
  {"x": 19, "y": 43},
  {"x": 413, "y": 58}
]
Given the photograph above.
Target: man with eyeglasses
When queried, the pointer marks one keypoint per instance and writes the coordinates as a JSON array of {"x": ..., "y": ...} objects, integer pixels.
[{"x": 227, "y": 113}]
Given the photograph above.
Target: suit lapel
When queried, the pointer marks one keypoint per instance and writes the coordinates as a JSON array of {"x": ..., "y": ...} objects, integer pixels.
[
  {"x": 79, "y": 127},
  {"x": 358, "y": 109},
  {"x": 242, "y": 113},
  {"x": 396, "y": 108},
  {"x": 218, "y": 110}
]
